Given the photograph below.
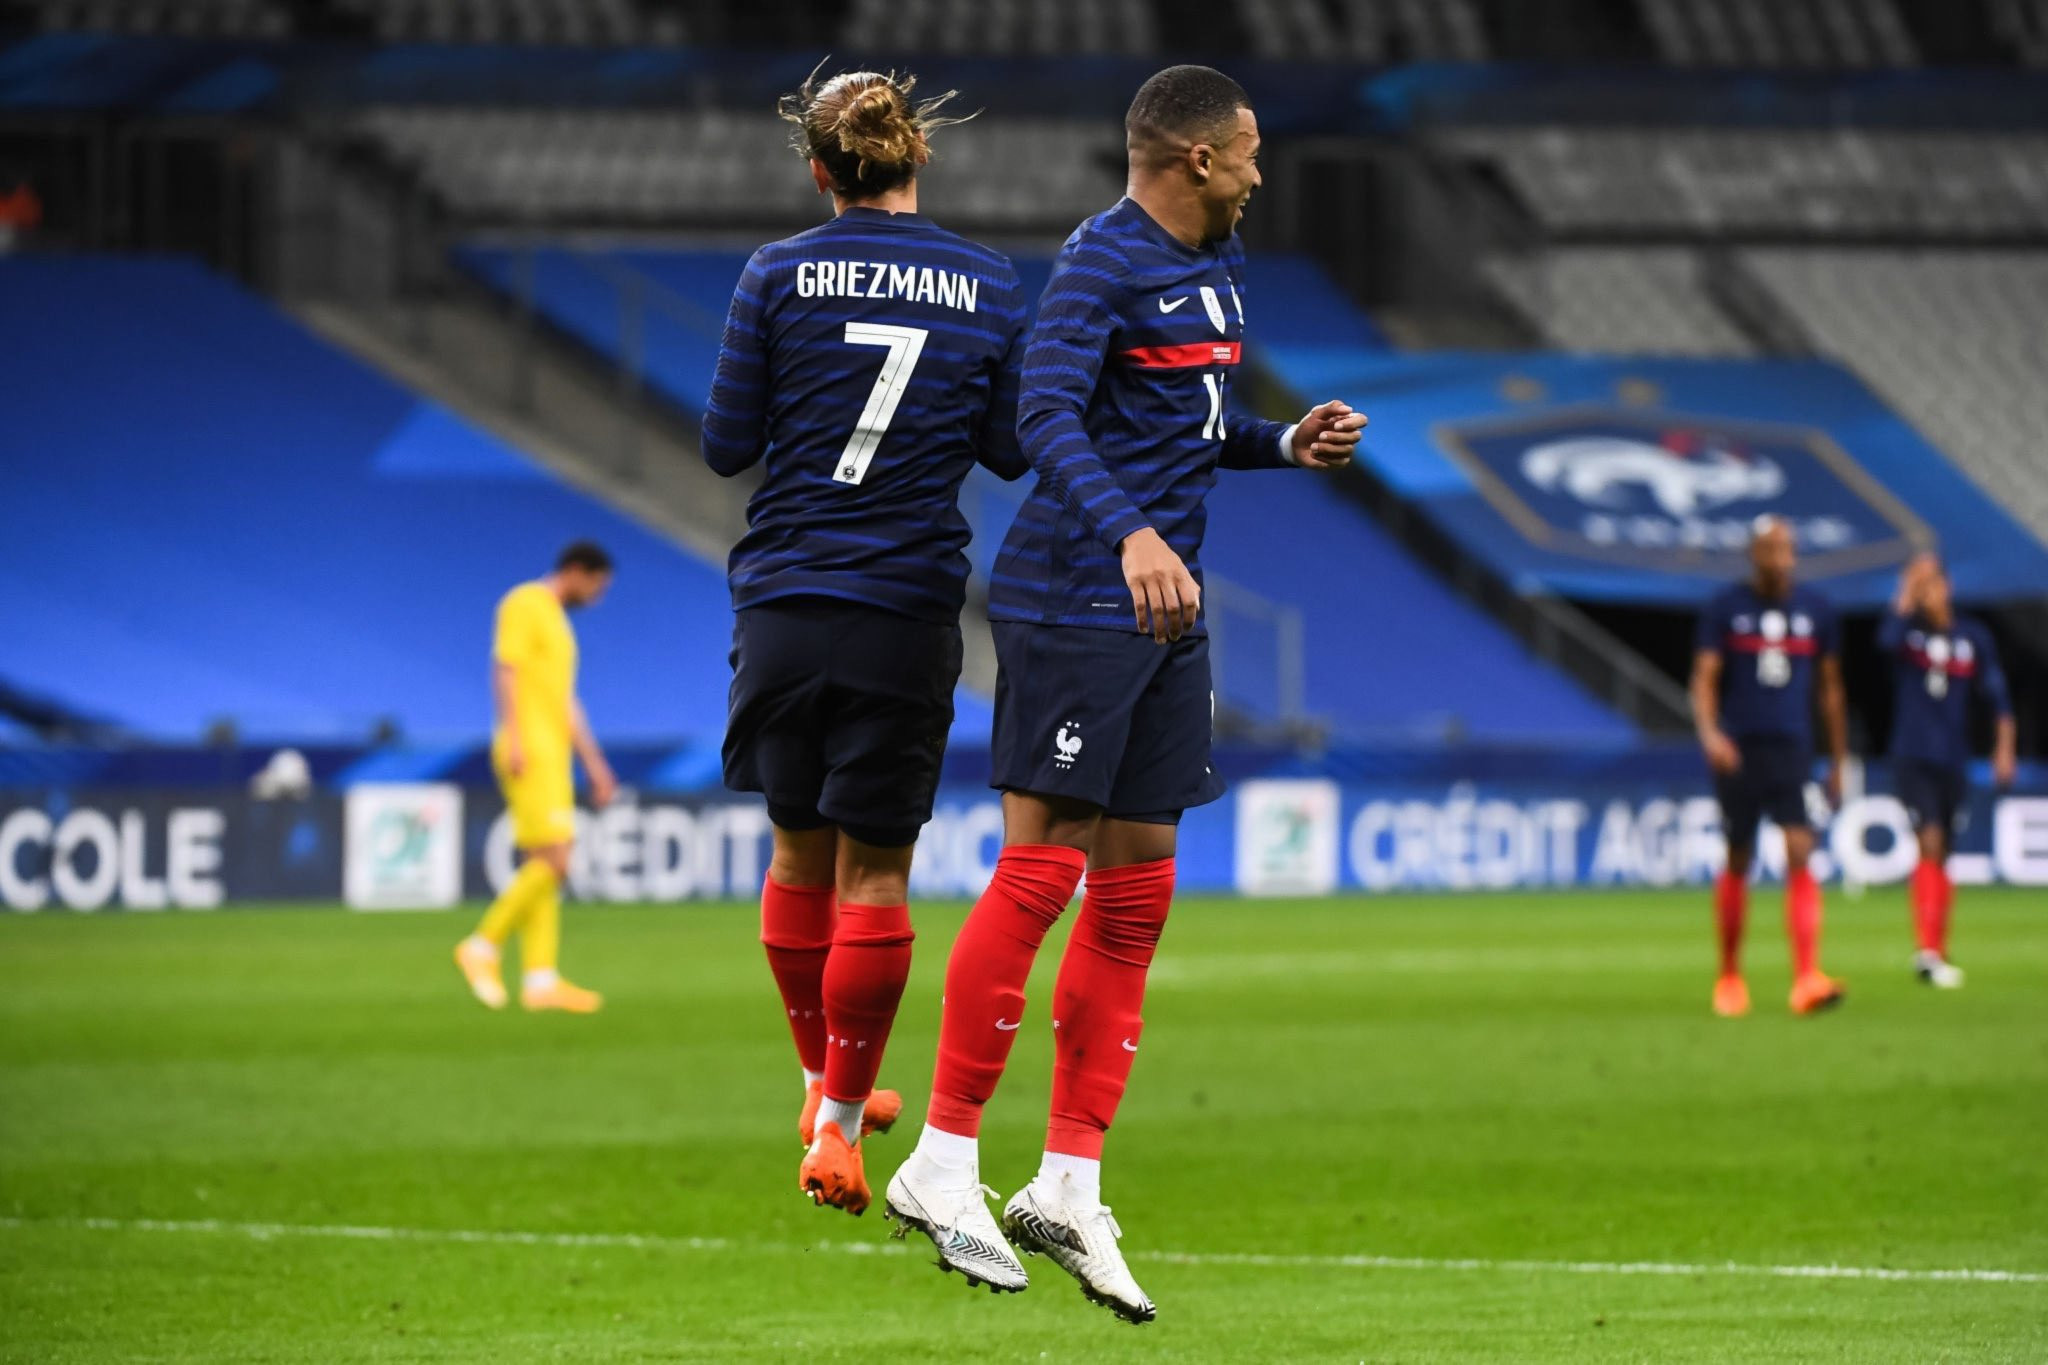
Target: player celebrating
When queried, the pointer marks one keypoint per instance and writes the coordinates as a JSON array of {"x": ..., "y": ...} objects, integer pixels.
[
  {"x": 1102, "y": 732},
  {"x": 872, "y": 360},
  {"x": 1941, "y": 662},
  {"x": 540, "y": 726},
  {"x": 1760, "y": 648}
]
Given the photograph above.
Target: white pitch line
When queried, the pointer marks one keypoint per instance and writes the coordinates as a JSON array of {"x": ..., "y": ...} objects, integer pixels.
[{"x": 637, "y": 1241}]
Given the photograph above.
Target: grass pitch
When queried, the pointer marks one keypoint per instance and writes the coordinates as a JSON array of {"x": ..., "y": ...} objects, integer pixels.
[{"x": 1388, "y": 1129}]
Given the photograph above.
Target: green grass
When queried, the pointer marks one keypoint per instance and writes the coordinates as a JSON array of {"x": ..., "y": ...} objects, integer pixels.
[{"x": 1512, "y": 1078}]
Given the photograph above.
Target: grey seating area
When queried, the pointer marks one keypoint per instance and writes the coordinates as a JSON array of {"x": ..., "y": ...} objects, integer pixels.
[
  {"x": 1618, "y": 300},
  {"x": 2023, "y": 26},
  {"x": 1836, "y": 183},
  {"x": 1778, "y": 33},
  {"x": 193, "y": 18},
  {"x": 683, "y": 168},
  {"x": 567, "y": 22},
  {"x": 1001, "y": 26},
  {"x": 1365, "y": 30},
  {"x": 1955, "y": 340}
]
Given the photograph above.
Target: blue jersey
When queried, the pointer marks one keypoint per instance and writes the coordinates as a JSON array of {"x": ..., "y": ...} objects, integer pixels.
[
  {"x": 1770, "y": 649},
  {"x": 1936, "y": 674},
  {"x": 1123, "y": 416},
  {"x": 872, "y": 360}
]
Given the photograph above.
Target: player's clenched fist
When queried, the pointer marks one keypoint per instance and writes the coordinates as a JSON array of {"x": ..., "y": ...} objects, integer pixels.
[
  {"x": 1326, "y": 438},
  {"x": 1165, "y": 595}
]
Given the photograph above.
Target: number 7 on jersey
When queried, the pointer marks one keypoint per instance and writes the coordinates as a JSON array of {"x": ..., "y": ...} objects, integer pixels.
[{"x": 905, "y": 345}]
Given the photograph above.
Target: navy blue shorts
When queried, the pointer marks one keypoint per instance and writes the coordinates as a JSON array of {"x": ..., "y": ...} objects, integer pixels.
[
  {"x": 1109, "y": 717},
  {"x": 839, "y": 715},
  {"x": 1934, "y": 794},
  {"x": 1771, "y": 783}
]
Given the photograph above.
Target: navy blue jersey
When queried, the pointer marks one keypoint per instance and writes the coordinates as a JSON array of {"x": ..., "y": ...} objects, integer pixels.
[
  {"x": 1770, "y": 649},
  {"x": 872, "y": 360},
  {"x": 1935, "y": 676},
  {"x": 1124, "y": 416}
]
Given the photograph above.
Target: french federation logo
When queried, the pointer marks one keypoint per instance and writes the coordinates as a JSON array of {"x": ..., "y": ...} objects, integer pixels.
[
  {"x": 1066, "y": 745},
  {"x": 1675, "y": 492}
]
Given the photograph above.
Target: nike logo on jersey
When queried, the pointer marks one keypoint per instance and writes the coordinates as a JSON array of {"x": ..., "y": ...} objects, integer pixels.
[
  {"x": 1168, "y": 305},
  {"x": 1009, "y": 1028}
]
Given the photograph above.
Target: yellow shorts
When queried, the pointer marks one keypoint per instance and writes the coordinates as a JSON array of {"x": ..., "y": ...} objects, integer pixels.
[{"x": 542, "y": 800}]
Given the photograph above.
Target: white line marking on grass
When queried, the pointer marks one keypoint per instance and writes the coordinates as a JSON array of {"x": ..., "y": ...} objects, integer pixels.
[{"x": 636, "y": 1241}]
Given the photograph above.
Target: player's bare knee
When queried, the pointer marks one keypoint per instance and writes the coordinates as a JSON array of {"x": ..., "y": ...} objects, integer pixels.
[
  {"x": 873, "y": 873},
  {"x": 803, "y": 857},
  {"x": 1035, "y": 818},
  {"x": 1798, "y": 849},
  {"x": 1740, "y": 857},
  {"x": 1122, "y": 843},
  {"x": 1933, "y": 844},
  {"x": 556, "y": 856}
]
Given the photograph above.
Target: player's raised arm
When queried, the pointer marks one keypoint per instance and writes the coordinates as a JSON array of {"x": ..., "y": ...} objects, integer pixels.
[{"x": 735, "y": 420}]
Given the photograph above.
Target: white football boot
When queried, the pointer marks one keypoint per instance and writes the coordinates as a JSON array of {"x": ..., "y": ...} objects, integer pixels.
[
  {"x": 1047, "y": 1218},
  {"x": 951, "y": 1208},
  {"x": 1937, "y": 971}
]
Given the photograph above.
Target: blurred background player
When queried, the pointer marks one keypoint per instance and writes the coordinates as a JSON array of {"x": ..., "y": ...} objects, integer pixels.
[
  {"x": 1941, "y": 664},
  {"x": 872, "y": 360},
  {"x": 1764, "y": 651},
  {"x": 540, "y": 729},
  {"x": 1102, "y": 732}
]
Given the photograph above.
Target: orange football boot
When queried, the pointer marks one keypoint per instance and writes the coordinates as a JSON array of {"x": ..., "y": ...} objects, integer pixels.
[
  {"x": 565, "y": 996},
  {"x": 884, "y": 1107},
  {"x": 480, "y": 968},
  {"x": 833, "y": 1173},
  {"x": 1731, "y": 997},
  {"x": 1814, "y": 992}
]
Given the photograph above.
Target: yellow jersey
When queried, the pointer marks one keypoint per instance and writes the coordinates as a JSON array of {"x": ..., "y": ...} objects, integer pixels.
[{"x": 534, "y": 640}]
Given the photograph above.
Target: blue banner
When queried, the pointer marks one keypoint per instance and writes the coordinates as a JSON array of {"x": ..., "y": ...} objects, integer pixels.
[{"x": 1637, "y": 481}]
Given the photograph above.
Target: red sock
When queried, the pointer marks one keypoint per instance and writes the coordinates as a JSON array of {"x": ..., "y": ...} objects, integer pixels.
[
  {"x": 863, "y": 982},
  {"x": 1947, "y": 906},
  {"x": 796, "y": 928},
  {"x": 1731, "y": 904},
  {"x": 1927, "y": 907},
  {"x": 986, "y": 974},
  {"x": 1096, "y": 1004},
  {"x": 1802, "y": 921}
]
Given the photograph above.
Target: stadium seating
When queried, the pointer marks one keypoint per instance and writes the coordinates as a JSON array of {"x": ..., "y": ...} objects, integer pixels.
[
  {"x": 569, "y": 22},
  {"x": 1826, "y": 183},
  {"x": 1628, "y": 300},
  {"x": 1778, "y": 33},
  {"x": 210, "y": 18},
  {"x": 1366, "y": 30},
  {"x": 1953, "y": 339},
  {"x": 1006, "y": 26},
  {"x": 658, "y": 166},
  {"x": 283, "y": 538}
]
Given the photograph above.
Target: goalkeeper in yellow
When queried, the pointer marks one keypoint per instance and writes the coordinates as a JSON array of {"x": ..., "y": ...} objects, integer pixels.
[{"x": 540, "y": 726}]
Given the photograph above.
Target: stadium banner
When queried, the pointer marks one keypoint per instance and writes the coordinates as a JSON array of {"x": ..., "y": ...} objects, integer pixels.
[
  {"x": 420, "y": 846},
  {"x": 1637, "y": 481},
  {"x": 404, "y": 846},
  {"x": 182, "y": 849}
]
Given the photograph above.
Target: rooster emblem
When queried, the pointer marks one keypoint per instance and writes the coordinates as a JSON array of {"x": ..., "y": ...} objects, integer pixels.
[{"x": 1067, "y": 745}]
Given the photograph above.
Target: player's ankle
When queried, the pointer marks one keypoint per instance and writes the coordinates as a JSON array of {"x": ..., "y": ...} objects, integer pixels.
[
  {"x": 951, "y": 1151},
  {"x": 541, "y": 979}
]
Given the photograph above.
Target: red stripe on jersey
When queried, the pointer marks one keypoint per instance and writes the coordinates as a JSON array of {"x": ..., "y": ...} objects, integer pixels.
[
  {"x": 1184, "y": 357},
  {"x": 1757, "y": 644},
  {"x": 1955, "y": 668}
]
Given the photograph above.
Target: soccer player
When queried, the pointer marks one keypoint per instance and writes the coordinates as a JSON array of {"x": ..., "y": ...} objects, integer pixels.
[
  {"x": 1764, "y": 651},
  {"x": 1941, "y": 664},
  {"x": 1103, "y": 702},
  {"x": 540, "y": 726},
  {"x": 872, "y": 360}
]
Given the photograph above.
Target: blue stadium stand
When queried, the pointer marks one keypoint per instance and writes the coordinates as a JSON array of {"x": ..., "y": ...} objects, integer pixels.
[{"x": 211, "y": 513}]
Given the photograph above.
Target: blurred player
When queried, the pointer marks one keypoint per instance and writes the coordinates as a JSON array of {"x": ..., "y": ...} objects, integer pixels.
[
  {"x": 872, "y": 360},
  {"x": 1941, "y": 663},
  {"x": 541, "y": 726},
  {"x": 1765, "y": 649},
  {"x": 1103, "y": 706}
]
